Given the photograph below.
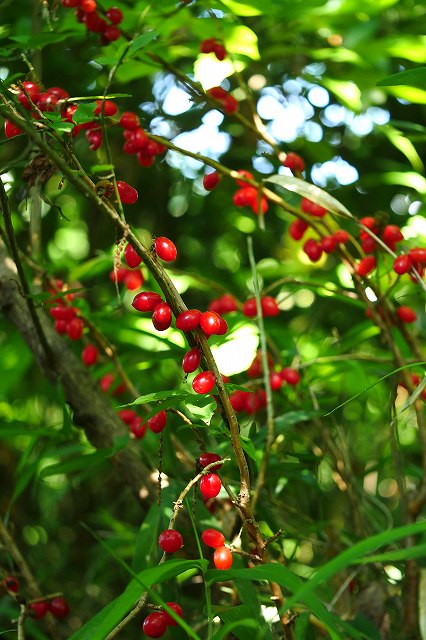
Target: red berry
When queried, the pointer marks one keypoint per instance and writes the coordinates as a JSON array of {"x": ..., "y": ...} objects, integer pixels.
[
  {"x": 275, "y": 380},
  {"x": 392, "y": 233},
  {"x": 213, "y": 538},
  {"x": 12, "y": 584},
  {"x": 128, "y": 195},
  {"x": 219, "y": 51},
  {"x": 250, "y": 308},
  {"x": 155, "y": 625},
  {"x": 58, "y": 92},
  {"x": 366, "y": 265},
  {"x": 114, "y": 15},
  {"x": 269, "y": 306},
  {"x": 94, "y": 22},
  {"x": 418, "y": 255},
  {"x": 165, "y": 249},
  {"x": 191, "y": 360},
  {"x": 341, "y": 236},
  {"x": 312, "y": 208},
  {"x": 210, "y": 485},
  {"x": 228, "y": 303},
  {"x": 162, "y": 316},
  {"x": 95, "y": 139},
  {"x": 146, "y": 301},
  {"x": 313, "y": 250},
  {"x": 245, "y": 196},
  {"x": 188, "y": 320},
  {"x": 138, "y": 428},
  {"x": 47, "y": 101},
  {"x": 223, "y": 327},
  {"x": 368, "y": 244},
  {"x": 70, "y": 3},
  {"x": 207, "y": 45},
  {"x": 210, "y": 322},
  {"x": 75, "y": 328},
  {"x": 127, "y": 415},
  {"x": 90, "y": 355},
  {"x": 328, "y": 244},
  {"x": 89, "y": 6},
  {"x": 222, "y": 558},
  {"x": 62, "y": 312},
  {"x": 369, "y": 222},
  {"x": 33, "y": 91},
  {"x": 158, "y": 422},
  {"x": 38, "y": 609},
  {"x": 108, "y": 108},
  {"x": 209, "y": 457},
  {"x": 58, "y": 607},
  {"x": 289, "y": 375},
  {"x": 297, "y": 229},
  {"x": 406, "y": 314},
  {"x": 170, "y": 541},
  {"x": 211, "y": 180},
  {"x": 294, "y": 162},
  {"x": 133, "y": 279},
  {"x": 10, "y": 129},
  {"x": 402, "y": 264},
  {"x": 131, "y": 258},
  {"x": 111, "y": 33},
  {"x": 129, "y": 120},
  {"x": 203, "y": 382},
  {"x": 60, "y": 327},
  {"x": 171, "y": 622}
]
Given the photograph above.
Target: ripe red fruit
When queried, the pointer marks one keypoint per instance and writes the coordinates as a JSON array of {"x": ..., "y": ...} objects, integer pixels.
[
  {"x": 191, "y": 360},
  {"x": 211, "y": 180},
  {"x": 223, "y": 327},
  {"x": 406, "y": 314},
  {"x": 244, "y": 174},
  {"x": 203, "y": 382},
  {"x": 60, "y": 327},
  {"x": 222, "y": 558},
  {"x": 128, "y": 195},
  {"x": 89, "y": 6},
  {"x": 108, "y": 108},
  {"x": 275, "y": 380},
  {"x": 165, "y": 249},
  {"x": 402, "y": 264},
  {"x": 94, "y": 137},
  {"x": 328, "y": 244},
  {"x": 312, "y": 208},
  {"x": 38, "y": 609},
  {"x": 392, "y": 233},
  {"x": 107, "y": 381},
  {"x": 188, "y": 320},
  {"x": 75, "y": 328},
  {"x": 158, "y": 422},
  {"x": 219, "y": 51},
  {"x": 62, "y": 312},
  {"x": 313, "y": 250},
  {"x": 289, "y": 375},
  {"x": 58, "y": 92},
  {"x": 369, "y": 222},
  {"x": 146, "y": 301},
  {"x": 111, "y": 33},
  {"x": 297, "y": 229},
  {"x": 59, "y": 607},
  {"x": 210, "y": 485},
  {"x": 133, "y": 279},
  {"x": 155, "y": 625},
  {"x": 294, "y": 162},
  {"x": 341, "y": 236},
  {"x": 90, "y": 355},
  {"x": 206, "y": 46},
  {"x": 418, "y": 255},
  {"x": 10, "y": 129},
  {"x": 368, "y": 244},
  {"x": 366, "y": 265},
  {"x": 269, "y": 306},
  {"x": 114, "y": 15},
  {"x": 12, "y": 584},
  {"x": 129, "y": 120},
  {"x": 127, "y": 415},
  {"x": 170, "y": 540},
  {"x": 131, "y": 258},
  {"x": 249, "y": 308},
  {"x": 213, "y": 538},
  {"x": 162, "y": 316},
  {"x": 47, "y": 101},
  {"x": 137, "y": 427},
  {"x": 210, "y": 322},
  {"x": 209, "y": 457},
  {"x": 70, "y": 3},
  {"x": 33, "y": 91},
  {"x": 178, "y": 611}
]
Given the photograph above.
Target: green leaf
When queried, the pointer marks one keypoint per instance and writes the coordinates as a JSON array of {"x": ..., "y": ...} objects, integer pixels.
[
  {"x": 412, "y": 77},
  {"x": 312, "y": 192},
  {"x": 140, "y": 42},
  {"x": 354, "y": 553},
  {"x": 103, "y": 622},
  {"x": 84, "y": 112},
  {"x": 239, "y": 619},
  {"x": 417, "y": 551},
  {"x": 85, "y": 461},
  {"x": 146, "y": 540},
  {"x": 41, "y": 40}
]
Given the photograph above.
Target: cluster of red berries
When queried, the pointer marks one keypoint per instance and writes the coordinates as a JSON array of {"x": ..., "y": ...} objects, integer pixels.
[
  {"x": 86, "y": 13},
  {"x": 157, "y": 423},
  {"x": 156, "y": 623},
  {"x": 136, "y": 142},
  {"x": 56, "y": 605},
  {"x": 226, "y": 101},
  {"x": 248, "y": 196},
  {"x": 212, "y": 45},
  {"x": 67, "y": 321}
]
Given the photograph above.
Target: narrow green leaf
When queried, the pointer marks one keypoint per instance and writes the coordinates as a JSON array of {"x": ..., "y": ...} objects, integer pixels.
[
  {"x": 84, "y": 112},
  {"x": 412, "y": 77},
  {"x": 86, "y": 461},
  {"x": 140, "y": 42},
  {"x": 417, "y": 551}
]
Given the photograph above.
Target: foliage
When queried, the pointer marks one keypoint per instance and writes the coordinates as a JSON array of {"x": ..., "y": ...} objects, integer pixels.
[{"x": 329, "y": 540}]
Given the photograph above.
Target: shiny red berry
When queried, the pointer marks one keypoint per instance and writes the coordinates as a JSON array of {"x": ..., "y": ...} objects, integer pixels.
[
  {"x": 402, "y": 264},
  {"x": 155, "y": 625},
  {"x": 366, "y": 265},
  {"x": 146, "y": 301},
  {"x": 269, "y": 306},
  {"x": 250, "y": 308},
  {"x": 313, "y": 250},
  {"x": 90, "y": 355},
  {"x": 170, "y": 541},
  {"x": 209, "y": 457},
  {"x": 165, "y": 249},
  {"x": 203, "y": 382},
  {"x": 297, "y": 229},
  {"x": 158, "y": 422},
  {"x": 133, "y": 279},
  {"x": 131, "y": 258},
  {"x": 111, "y": 33},
  {"x": 138, "y": 428},
  {"x": 38, "y": 609},
  {"x": 211, "y": 180},
  {"x": 75, "y": 328},
  {"x": 191, "y": 360},
  {"x": 10, "y": 129},
  {"x": 289, "y": 375},
  {"x": 188, "y": 320},
  {"x": 129, "y": 120},
  {"x": 213, "y": 538},
  {"x": 222, "y": 558},
  {"x": 406, "y": 314},
  {"x": 114, "y": 15},
  {"x": 128, "y": 195},
  {"x": 418, "y": 255},
  {"x": 59, "y": 607},
  {"x": 210, "y": 322},
  {"x": 275, "y": 380},
  {"x": 171, "y": 622},
  {"x": 162, "y": 316},
  {"x": 12, "y": 584},
  {"x": 294, "y": 162},
  {"x": 210, "y": 485}
]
